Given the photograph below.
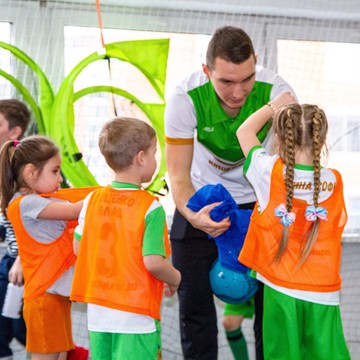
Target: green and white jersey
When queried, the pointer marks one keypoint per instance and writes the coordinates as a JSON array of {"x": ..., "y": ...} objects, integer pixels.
[
  {"x": 194, "y": 115},
  {"x": 258, "y": 169}
]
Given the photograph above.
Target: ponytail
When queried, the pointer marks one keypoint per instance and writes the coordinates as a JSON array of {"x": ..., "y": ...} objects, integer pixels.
[{"x": 8, "y": 173}]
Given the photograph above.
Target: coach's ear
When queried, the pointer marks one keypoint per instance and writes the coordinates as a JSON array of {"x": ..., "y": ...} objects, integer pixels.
[{"x": 206, "y": 70}]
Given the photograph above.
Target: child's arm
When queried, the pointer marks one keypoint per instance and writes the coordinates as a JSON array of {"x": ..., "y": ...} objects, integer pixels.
[
  {"x": 76, "y": 246},
  {"x": 60, "y": 210},
  {"x": 247, "y": 132},
  {"x": 81, "y": 221},
  {"x": 162, "y": 270}
]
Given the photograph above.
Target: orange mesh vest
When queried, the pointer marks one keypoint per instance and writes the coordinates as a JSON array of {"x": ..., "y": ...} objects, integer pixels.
[
  {"x": 110, "y": 269},
  {"x": 43, "y": 264},
  {"x": 321, "y": 270}
]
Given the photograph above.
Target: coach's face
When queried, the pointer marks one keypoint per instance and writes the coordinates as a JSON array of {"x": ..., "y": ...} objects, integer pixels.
[{"x": 232, "y": 82}]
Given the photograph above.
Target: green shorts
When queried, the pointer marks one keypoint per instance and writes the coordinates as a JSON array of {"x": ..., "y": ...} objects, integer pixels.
[
  {"x": 301, "y": 330},
  {"x": 246, "y": 309},
  {"x": 125, "y": 346}
]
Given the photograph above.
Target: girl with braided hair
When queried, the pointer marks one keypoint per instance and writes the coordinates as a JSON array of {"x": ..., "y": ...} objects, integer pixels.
[{"x": 294, "y": 239}]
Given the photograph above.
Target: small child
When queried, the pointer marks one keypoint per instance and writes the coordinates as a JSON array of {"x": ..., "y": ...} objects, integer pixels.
[
  {"x": 234, "y": 315},
  {"x": 28, "y": 168},
  {"x": 122, "y": 246},
  {"x": 294, "y": 237},
  {"x": 15, "y": 117}
]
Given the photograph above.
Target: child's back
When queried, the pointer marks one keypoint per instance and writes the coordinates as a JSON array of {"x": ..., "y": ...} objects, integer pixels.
[
  {"x": 294, "y": 238},
  {"x": 122, "y": 246}
]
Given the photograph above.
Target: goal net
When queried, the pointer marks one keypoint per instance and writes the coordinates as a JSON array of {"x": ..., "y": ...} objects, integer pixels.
[{"x": 314, "y": 45}]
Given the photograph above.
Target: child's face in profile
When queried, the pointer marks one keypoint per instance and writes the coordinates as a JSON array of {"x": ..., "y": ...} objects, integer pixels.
[
  {"x": 150, "y": 162},
  {"x": 49, "y": 179}
]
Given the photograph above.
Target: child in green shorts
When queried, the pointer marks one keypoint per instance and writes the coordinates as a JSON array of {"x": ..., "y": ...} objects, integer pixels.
[
  {"x": 122, "y": 247},
  {"x": 234, "y": 315},
  {"x": 294, "y": 238}
]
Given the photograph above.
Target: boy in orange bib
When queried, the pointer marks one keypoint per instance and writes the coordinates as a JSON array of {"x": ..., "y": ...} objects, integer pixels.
[{"x": 122, "y": 247}]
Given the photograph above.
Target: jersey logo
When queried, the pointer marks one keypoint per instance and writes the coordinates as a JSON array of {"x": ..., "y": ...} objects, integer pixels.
[{"x": 208, "y": 129}]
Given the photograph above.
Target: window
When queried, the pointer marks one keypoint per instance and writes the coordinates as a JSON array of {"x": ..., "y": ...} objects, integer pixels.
[
  {"x": 326, "y": 73},
  {"x": 4, "y": 60},
  {"x": 186, "y": 54}
]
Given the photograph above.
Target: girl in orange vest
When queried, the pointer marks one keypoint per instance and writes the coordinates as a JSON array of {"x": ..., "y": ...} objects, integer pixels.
[
  {"x": 28, "y": 168},
  {"x": 294, "y": 239}
]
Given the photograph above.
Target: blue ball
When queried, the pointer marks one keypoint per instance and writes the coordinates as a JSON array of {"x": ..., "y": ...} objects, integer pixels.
[{"x": 231, "y": 286}]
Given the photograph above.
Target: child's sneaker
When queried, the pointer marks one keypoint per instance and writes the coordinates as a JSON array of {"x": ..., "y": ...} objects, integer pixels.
[{"x": 79, "y": 353}]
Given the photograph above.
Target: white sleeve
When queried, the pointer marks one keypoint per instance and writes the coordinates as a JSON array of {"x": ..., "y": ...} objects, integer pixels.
[
  {"x": 79, "y": 228},
  {"x": 280, "y": 86},
  {"x": 259, "y": 174},
  {"x": 180, "y": 117}
]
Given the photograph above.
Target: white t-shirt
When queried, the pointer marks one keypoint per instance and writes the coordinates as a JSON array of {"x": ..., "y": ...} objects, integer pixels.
[
  {"x": 45, "y": 231},
  {"x": 182, "y": 122}
]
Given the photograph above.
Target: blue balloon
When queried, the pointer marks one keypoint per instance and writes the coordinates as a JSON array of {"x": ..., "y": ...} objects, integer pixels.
[{"x": 231, "y": 286}]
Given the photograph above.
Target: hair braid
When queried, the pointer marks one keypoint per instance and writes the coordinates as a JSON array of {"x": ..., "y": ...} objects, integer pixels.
[
  {"x": 289, "y": 159},
  {"x": 316, "y": 154},
  {"x": 289, "y": 176},
  {"x": 300, "y": 128},
  {"x": 317, "y": 142}
]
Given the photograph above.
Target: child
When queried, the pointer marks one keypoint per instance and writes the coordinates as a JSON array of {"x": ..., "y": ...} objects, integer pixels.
[
  {"x": 29, "y": 168},
  {"x": 122, "y": 245},
  {"x": 14, "y": 120},
  {"x": 234, "y": 315},
  {"x": 294, "y": 238}
]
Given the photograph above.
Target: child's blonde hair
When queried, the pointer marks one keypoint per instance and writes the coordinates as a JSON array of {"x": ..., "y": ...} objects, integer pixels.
[
  {"x": 300, "y": 127},
  {"x": 122, "y": 138},
  {"x": 14, "y": 156}
]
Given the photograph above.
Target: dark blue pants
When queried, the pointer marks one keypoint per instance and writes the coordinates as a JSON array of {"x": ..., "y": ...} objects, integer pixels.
[
  {"x": 9, "y": 328},
  {"x": 193, "y": 256},
  {"x": 259, "y": 309}
]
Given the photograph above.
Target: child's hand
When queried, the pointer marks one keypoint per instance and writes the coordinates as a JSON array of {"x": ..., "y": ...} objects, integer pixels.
[
  {"x": 170, "y": 290},
  {"x": 15, "y": 274},
  {"x": 167, "y": 291},
  {"x": 283, "y": 99}
]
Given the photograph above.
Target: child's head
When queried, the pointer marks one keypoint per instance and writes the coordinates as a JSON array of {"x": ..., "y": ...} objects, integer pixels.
[
  {"x": 122, "y": 139},
  {"x": 31, "y": 165},
  {"x": 300, "y": 128},
  {"x": 14, "y": 119}
]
